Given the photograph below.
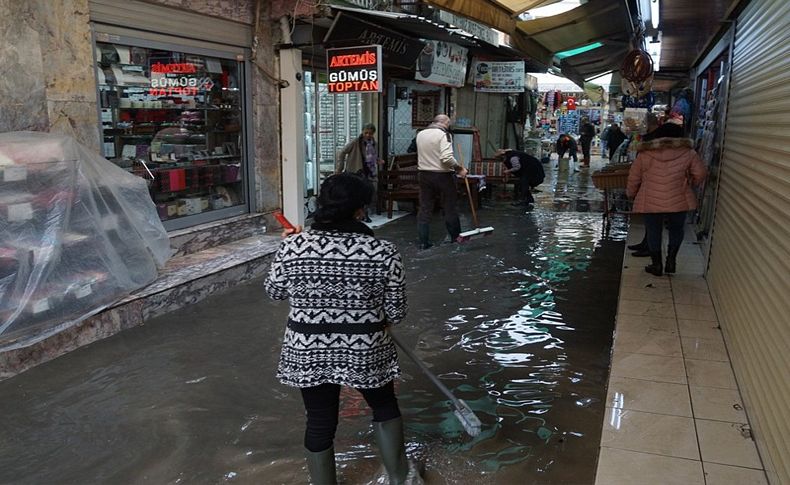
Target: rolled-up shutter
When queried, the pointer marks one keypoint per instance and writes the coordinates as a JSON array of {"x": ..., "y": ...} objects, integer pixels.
[
  {"x": 159, "y": 19},
  {"x": 749, "y": 273}
]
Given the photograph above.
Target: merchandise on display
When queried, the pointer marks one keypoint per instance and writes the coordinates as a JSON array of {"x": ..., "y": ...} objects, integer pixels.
[
  {"x": 175, "y": 120},
  {"x": 77, "y": 233}
]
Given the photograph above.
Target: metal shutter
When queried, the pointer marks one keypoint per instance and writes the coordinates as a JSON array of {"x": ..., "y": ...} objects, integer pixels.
[
  {"x": 158, "y": 19},
  {"x": 749, "y": 273}
]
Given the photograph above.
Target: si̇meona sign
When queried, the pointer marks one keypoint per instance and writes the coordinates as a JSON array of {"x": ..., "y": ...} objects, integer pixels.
[{"x": 354, "y": 69}]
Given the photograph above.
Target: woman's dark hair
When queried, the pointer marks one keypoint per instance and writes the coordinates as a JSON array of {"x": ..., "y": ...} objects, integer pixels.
[{"x": 341, "y": 196}]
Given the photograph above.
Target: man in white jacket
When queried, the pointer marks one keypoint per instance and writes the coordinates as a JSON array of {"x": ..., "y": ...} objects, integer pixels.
[{"x": 437, "y": 168}]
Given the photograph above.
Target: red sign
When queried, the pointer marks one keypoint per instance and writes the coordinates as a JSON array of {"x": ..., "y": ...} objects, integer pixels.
[{"x": 354, "y": 69}]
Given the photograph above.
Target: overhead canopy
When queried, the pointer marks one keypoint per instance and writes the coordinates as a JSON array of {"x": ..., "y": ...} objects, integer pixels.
[
  {"x": 502, "y": 15},
  {"x": 604, "y": 21}
]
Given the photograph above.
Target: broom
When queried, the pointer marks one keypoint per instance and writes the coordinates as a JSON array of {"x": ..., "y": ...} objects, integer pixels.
[
  {"x": 467, "y": 418},
  {"x": 477, "y": 231}
]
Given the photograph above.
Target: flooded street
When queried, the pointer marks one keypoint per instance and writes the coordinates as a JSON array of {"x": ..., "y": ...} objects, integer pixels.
[{"x": 518, "y": 324}]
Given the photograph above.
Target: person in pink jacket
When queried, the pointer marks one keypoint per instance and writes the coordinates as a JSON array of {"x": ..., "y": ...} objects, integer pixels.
[{"x": 660, "y": 182}]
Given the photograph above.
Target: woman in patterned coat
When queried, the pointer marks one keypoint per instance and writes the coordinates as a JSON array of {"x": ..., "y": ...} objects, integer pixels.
[{"x": 345, "y": 287}]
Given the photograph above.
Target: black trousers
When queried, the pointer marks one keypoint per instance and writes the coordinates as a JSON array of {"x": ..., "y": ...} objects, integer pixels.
[
  {"x": 441, "y": 184},
  {"x": 322, "y": 404},
  {"x": 586, "y": 142},
  {"x": 654, "y": 229},
  {"x": 525, "y": 188}
]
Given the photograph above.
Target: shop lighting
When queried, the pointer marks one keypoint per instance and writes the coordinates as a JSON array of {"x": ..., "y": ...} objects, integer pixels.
[
  {"x": 654, "y": 49},
  {"x": 654, "y": 13},
  {"x": 578, "y": 50}
]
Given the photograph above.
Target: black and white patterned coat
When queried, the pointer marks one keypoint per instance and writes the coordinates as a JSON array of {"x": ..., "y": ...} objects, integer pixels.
[{"x": 338, "y": 280}]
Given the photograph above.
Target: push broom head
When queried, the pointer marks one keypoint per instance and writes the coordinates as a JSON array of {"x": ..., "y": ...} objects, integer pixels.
[
  {"x": 470, "y": 422},
  {"x": 480, "y": 231}
]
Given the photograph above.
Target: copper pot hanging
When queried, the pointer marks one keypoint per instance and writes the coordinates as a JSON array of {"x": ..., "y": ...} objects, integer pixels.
[{"x": 637, "y": 66}]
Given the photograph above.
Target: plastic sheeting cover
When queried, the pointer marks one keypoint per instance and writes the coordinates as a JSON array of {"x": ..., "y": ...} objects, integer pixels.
[{"x": 76, "y": 234}]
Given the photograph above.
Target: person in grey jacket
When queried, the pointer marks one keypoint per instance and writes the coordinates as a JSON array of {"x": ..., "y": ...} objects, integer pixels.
[{"x": 360, "y": 156}]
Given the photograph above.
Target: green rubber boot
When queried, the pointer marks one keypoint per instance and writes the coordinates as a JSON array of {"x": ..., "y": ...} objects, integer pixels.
[
  {"x": 322, "y": 467},
  {"x": 389, "y": 437}
]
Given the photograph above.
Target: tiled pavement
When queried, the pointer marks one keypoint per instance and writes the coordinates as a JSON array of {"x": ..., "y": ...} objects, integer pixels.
[{"x": 674, "y": 413}]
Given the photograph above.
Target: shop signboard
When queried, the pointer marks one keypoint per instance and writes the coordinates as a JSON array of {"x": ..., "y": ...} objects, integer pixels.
[
  {"x": 442, "y": 63},
  {"x": 482, "y": 32},
  {"x": 498, "y": 77},
  {"x": 354, "y": 69},
  {"x": 397, "y": 49}
]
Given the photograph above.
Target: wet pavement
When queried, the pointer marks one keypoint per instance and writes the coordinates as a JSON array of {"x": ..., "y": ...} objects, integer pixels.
[{"x": 518, "y": 324}]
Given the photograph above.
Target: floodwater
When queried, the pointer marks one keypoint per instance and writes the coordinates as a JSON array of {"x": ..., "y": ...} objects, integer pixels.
[{"x": 518, "y": 324}]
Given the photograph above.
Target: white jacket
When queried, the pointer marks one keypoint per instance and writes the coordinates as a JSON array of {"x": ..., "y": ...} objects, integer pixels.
[{"x": 435, "y": 151}]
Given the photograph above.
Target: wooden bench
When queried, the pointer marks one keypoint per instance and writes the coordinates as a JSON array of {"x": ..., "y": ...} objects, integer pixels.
[
  {"x": 398, "y": 182},
  {"x": 493, "y": 169}
]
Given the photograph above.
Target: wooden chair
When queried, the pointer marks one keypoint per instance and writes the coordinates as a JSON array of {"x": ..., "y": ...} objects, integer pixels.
[{"x": 399, "y": 182}]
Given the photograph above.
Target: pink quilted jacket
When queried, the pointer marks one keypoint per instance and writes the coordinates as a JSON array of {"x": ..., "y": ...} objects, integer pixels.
[{"x": 662, "y": 175}]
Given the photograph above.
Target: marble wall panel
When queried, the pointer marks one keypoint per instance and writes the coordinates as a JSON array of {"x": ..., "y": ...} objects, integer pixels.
[
  {"x": 75, "y": 118},
  {"x": 238, "y": 10},
  {"x": 66, "y": 50},
  {"x": 47, "y": 82},
  {"x": 266, "y": 117},
  {"x": 23, "y": 104}
]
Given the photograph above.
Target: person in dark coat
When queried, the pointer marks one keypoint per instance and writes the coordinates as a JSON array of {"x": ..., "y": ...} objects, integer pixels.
[
  {"x": 527, "y": 168},
  {"x": 615, "y": 139},
  {"x": 587, "y": 132}
]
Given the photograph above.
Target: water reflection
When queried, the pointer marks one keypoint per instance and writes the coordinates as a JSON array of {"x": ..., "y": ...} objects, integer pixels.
[{"x": 517, "y": 324}]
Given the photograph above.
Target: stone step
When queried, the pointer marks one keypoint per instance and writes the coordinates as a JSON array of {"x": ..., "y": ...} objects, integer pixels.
[
  {"x": 186, "y": 279},
  {"x": 197, "y": 238}
]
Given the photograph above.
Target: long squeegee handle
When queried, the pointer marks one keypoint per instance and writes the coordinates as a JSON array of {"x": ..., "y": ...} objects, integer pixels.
[{"x": 426, "y": 371}]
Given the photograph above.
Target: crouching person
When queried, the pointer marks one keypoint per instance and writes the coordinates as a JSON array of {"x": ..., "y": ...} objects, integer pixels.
[
  {"x": 345, "y": 287},
  {"x": 527, "y": 168}
]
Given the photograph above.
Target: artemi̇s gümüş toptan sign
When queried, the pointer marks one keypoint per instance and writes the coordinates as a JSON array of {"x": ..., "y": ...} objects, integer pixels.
[{"x": 354, "y": 69}]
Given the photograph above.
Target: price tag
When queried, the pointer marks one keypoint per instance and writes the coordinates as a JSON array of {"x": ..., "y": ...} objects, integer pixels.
[
  {"x": 83, "y": 291},
  {"x": 41, "y": 305},
  {"x": 20, "y": 212},
  {"x": 14, "y": 173}
]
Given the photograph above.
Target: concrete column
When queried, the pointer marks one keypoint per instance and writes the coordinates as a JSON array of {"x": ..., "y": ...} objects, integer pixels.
[{"x": 292, "y": 124}]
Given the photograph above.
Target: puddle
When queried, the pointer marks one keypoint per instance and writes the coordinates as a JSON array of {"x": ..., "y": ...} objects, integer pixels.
[{"x": 517, "y": 324}]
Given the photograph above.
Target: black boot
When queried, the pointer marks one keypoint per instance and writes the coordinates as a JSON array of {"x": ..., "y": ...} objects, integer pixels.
[
  {"x": 672, "y": 253},
  {"x": 424, "y": 233},
  {"x": 322, "y": 467},
  {"x": 454, "y": 229},
  {"x": 641, "y": 253},
  {"x": 655, "y": 267},
  {"x": 639, "y": 246}
]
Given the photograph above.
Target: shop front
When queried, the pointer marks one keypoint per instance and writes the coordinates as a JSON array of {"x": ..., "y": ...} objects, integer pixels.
[
  {"x": 176, "y": 114},
  {"x": 187, "y": 99}
]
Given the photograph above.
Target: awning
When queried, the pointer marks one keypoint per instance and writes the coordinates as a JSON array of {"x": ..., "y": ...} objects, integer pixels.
[
  {"x": 604, "y": 21},
  {"x": 413, "y": 27}
]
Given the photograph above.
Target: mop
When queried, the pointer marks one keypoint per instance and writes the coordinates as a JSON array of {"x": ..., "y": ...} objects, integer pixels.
[
  {"x": 477, "y": 231},
  {"x": 467, "y": 418}
]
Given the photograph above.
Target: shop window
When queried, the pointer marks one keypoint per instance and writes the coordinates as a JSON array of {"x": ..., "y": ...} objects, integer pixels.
[{"x": 175, "y": 119}]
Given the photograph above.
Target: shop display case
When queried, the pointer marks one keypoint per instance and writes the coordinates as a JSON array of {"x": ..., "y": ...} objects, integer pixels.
[
  {"x": 176, "y": 120},
  {"x": 76, "y": 233}
]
